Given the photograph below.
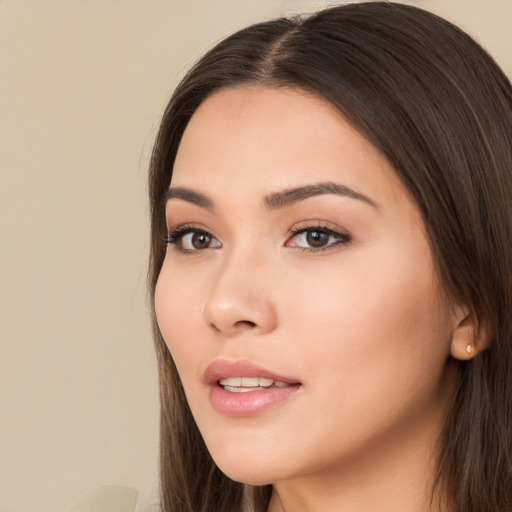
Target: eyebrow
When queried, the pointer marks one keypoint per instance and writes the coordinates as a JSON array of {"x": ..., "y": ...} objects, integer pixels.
[
  {"x": 189, "y": 195},
  {"x": 275, "y": 200},
  {"x": 293, "y": 195}
]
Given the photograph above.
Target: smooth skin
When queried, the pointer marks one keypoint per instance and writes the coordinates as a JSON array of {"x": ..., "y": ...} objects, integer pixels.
[{"x": 335, "y": 289}]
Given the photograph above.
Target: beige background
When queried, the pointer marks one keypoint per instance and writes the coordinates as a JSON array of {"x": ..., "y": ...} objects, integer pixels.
[{"x": 82, "y": 87}]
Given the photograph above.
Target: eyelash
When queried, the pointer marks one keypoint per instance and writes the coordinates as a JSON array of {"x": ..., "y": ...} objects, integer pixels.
[{"x": 175, "y": 237}]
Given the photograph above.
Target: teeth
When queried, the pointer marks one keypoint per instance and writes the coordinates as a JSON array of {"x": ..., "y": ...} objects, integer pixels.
[
  {"x": 232, "y": 381},
  {"x": 244, "y": 384},
  {"x": 250, "y": 382}
]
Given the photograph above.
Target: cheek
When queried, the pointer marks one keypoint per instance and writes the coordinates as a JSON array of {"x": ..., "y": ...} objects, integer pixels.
[
  {"x": 177, "y": 307},
  {"x": 381, "y": 322},
  {"x": 371, "y": 345}
]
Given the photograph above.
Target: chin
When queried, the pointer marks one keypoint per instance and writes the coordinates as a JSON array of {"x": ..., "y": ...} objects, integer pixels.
[
  {"x": 254, "y": 467},
  {"x": 257, "y": 477}
]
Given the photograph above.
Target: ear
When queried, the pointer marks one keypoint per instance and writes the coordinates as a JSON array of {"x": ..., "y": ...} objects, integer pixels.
[{"x": 469, "y": 337}]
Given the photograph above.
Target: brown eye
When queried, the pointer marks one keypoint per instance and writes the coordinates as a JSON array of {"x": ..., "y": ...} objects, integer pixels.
[
  {"x": 200, "y": 240},
  {"x": 317, "y": 238},
  {"x": 196, "y": 241}
]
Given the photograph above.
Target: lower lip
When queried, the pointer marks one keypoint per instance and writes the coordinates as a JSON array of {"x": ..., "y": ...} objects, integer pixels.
[{"x": 249, "y": 403}]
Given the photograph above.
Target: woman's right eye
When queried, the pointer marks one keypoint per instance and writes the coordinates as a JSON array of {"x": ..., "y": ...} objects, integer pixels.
[{"x": 190, "y": 240}]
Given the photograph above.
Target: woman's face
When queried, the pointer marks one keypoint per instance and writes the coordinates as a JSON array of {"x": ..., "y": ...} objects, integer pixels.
[{"x": 298, "y": 296}]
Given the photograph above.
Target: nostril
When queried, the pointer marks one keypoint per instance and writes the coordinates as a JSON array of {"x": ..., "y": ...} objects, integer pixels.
[
  {"x": 246, "y": 323},
  {"x": 214, "y": 327},
  {"x": 240, "y": 325}
]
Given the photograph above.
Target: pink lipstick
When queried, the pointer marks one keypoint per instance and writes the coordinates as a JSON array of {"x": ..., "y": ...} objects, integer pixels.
[{"x": 241, "y": 388}]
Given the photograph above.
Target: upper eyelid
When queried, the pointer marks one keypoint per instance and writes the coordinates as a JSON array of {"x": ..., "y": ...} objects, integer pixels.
[
  {"x": 185, "y": 229},
  {"x": 318, "y": 224},
  {"x": 192, "y": 226},
  {"x": 177, "y": 215}
]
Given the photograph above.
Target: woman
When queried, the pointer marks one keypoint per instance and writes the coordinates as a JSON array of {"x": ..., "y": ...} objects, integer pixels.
[{"x": 331, "y": 269}]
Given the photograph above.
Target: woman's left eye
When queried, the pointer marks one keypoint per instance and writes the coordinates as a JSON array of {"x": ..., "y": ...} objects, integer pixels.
[{"x": 317, "y": 238}]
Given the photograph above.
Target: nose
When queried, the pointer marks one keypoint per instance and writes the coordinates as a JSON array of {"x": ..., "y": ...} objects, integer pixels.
[{"x": 240, "y": 300}]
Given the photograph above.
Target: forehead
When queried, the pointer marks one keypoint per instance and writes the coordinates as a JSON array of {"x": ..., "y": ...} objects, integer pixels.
[{"x": 266, "y": 138}]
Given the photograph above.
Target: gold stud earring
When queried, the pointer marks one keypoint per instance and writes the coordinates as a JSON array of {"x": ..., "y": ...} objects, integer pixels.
[{"x": 469, "y": 349}]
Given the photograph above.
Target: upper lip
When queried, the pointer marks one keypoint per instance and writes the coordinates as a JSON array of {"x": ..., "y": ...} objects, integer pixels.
[{"x": 225, "y": 369}]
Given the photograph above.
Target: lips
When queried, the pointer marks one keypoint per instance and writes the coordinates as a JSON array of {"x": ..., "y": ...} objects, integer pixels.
[{"x": 241, "y": 388}]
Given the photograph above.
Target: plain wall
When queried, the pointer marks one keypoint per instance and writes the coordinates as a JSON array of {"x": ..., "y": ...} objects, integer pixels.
[{"x": 83, "y": 84}]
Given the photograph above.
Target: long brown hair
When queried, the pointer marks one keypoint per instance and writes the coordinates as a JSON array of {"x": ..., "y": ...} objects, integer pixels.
[{"x": 440, "y": 109}]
